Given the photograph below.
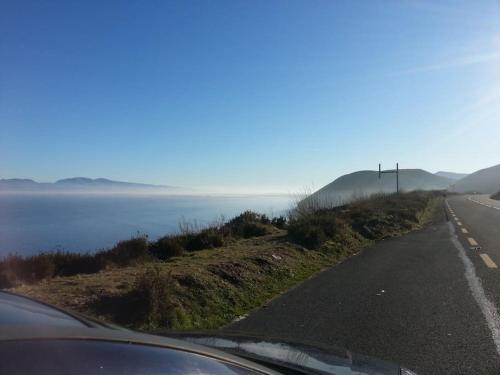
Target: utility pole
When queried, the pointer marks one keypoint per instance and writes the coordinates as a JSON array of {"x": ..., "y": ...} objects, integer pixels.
[{"x": 380, "y": 171}]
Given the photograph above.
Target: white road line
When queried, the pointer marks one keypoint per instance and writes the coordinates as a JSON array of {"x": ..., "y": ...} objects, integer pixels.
[
  {"x": 464, "y": 230},
  {"x": 484, "y": 204},
  {"x": 487, "y": 307}
]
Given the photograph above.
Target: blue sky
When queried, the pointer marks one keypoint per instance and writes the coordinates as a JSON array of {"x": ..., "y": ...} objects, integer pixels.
[{"x": 246, "y": 95}]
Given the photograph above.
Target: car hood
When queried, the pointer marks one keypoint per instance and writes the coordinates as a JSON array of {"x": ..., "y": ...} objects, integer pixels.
[{"x": 294, "y": 357}]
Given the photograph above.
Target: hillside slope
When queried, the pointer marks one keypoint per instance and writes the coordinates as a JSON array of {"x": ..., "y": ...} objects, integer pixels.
[
  {"x": 364, "y": 183},
  {"x": 451, "y": 175},
  {"x": 486, "y": 181}
]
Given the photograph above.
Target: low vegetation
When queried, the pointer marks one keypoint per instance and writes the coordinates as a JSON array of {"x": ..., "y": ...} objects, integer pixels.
[
  {"x": 205, "y": 278},
  {"x": 16, "y": 269},
  {"x": 374, "y": 218}
]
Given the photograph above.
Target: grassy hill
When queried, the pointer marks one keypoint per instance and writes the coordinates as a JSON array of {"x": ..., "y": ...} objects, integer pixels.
[
  {"x": 365, "y": 183},
  {"x": 485, "y": 181}
]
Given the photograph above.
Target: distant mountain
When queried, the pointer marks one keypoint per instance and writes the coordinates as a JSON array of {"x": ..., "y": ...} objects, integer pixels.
[
  {"x": 82, "y": 184},
  {"x": 451, "y": 175},
  {"x": 486, "y": 181},
  {"x": 19, "y": 183},
  {"x": 364, "y": 183},
  {"x": 104, "y": 183}
]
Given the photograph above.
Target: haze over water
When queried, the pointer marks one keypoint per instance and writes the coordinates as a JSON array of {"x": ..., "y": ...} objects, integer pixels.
[{"x": 30, "y": 223}]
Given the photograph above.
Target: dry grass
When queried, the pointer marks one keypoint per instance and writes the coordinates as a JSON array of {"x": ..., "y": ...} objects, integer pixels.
[{"x": 201, "y": 290}]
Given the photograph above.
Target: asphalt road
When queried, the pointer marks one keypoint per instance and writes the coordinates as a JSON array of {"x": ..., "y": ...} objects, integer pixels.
[{"x": 426, "y": 300}]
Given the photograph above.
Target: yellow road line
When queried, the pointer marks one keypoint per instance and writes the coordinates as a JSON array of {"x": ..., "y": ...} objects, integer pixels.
[
  {"x": 472, "y": 241},
  {"x": 487, "y": 260},
  {"x": 464, "y": 230}
]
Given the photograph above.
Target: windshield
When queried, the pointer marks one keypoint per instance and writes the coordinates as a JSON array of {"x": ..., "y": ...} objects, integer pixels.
[{"x": 319, "y": 173}]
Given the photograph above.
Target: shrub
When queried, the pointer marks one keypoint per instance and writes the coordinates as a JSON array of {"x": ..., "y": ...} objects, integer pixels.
[
  {"x": 126, "y": 252},
  {"x": 376, "y": 217},
  {"x": 206, "y": 239},
  {"x": 153, "y": 288},
  {"x": 15, "y": 269},
  {"x": 176, "y": 245},
  {"x": 167, "y": 247},
  {"x": 67, "y": 264},
  {"x": 313, "y": 230},
  {"x": 40, "y": 267},
  {"x": 248, "y": 224},
  {"x": 279, "y": 222},
  {"x": 307, "y": 235},
  {"x": 249, "y": 230},
  {"x": 264, "y": 219},
  {"x": 245, "y": 217}
]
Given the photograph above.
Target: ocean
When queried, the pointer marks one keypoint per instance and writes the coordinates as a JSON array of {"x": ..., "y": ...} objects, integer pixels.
[{"x": 30, "y": 224}]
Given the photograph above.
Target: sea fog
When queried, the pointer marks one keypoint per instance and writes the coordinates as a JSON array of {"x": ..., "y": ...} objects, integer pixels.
[{"x": 31, "y": 223}]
